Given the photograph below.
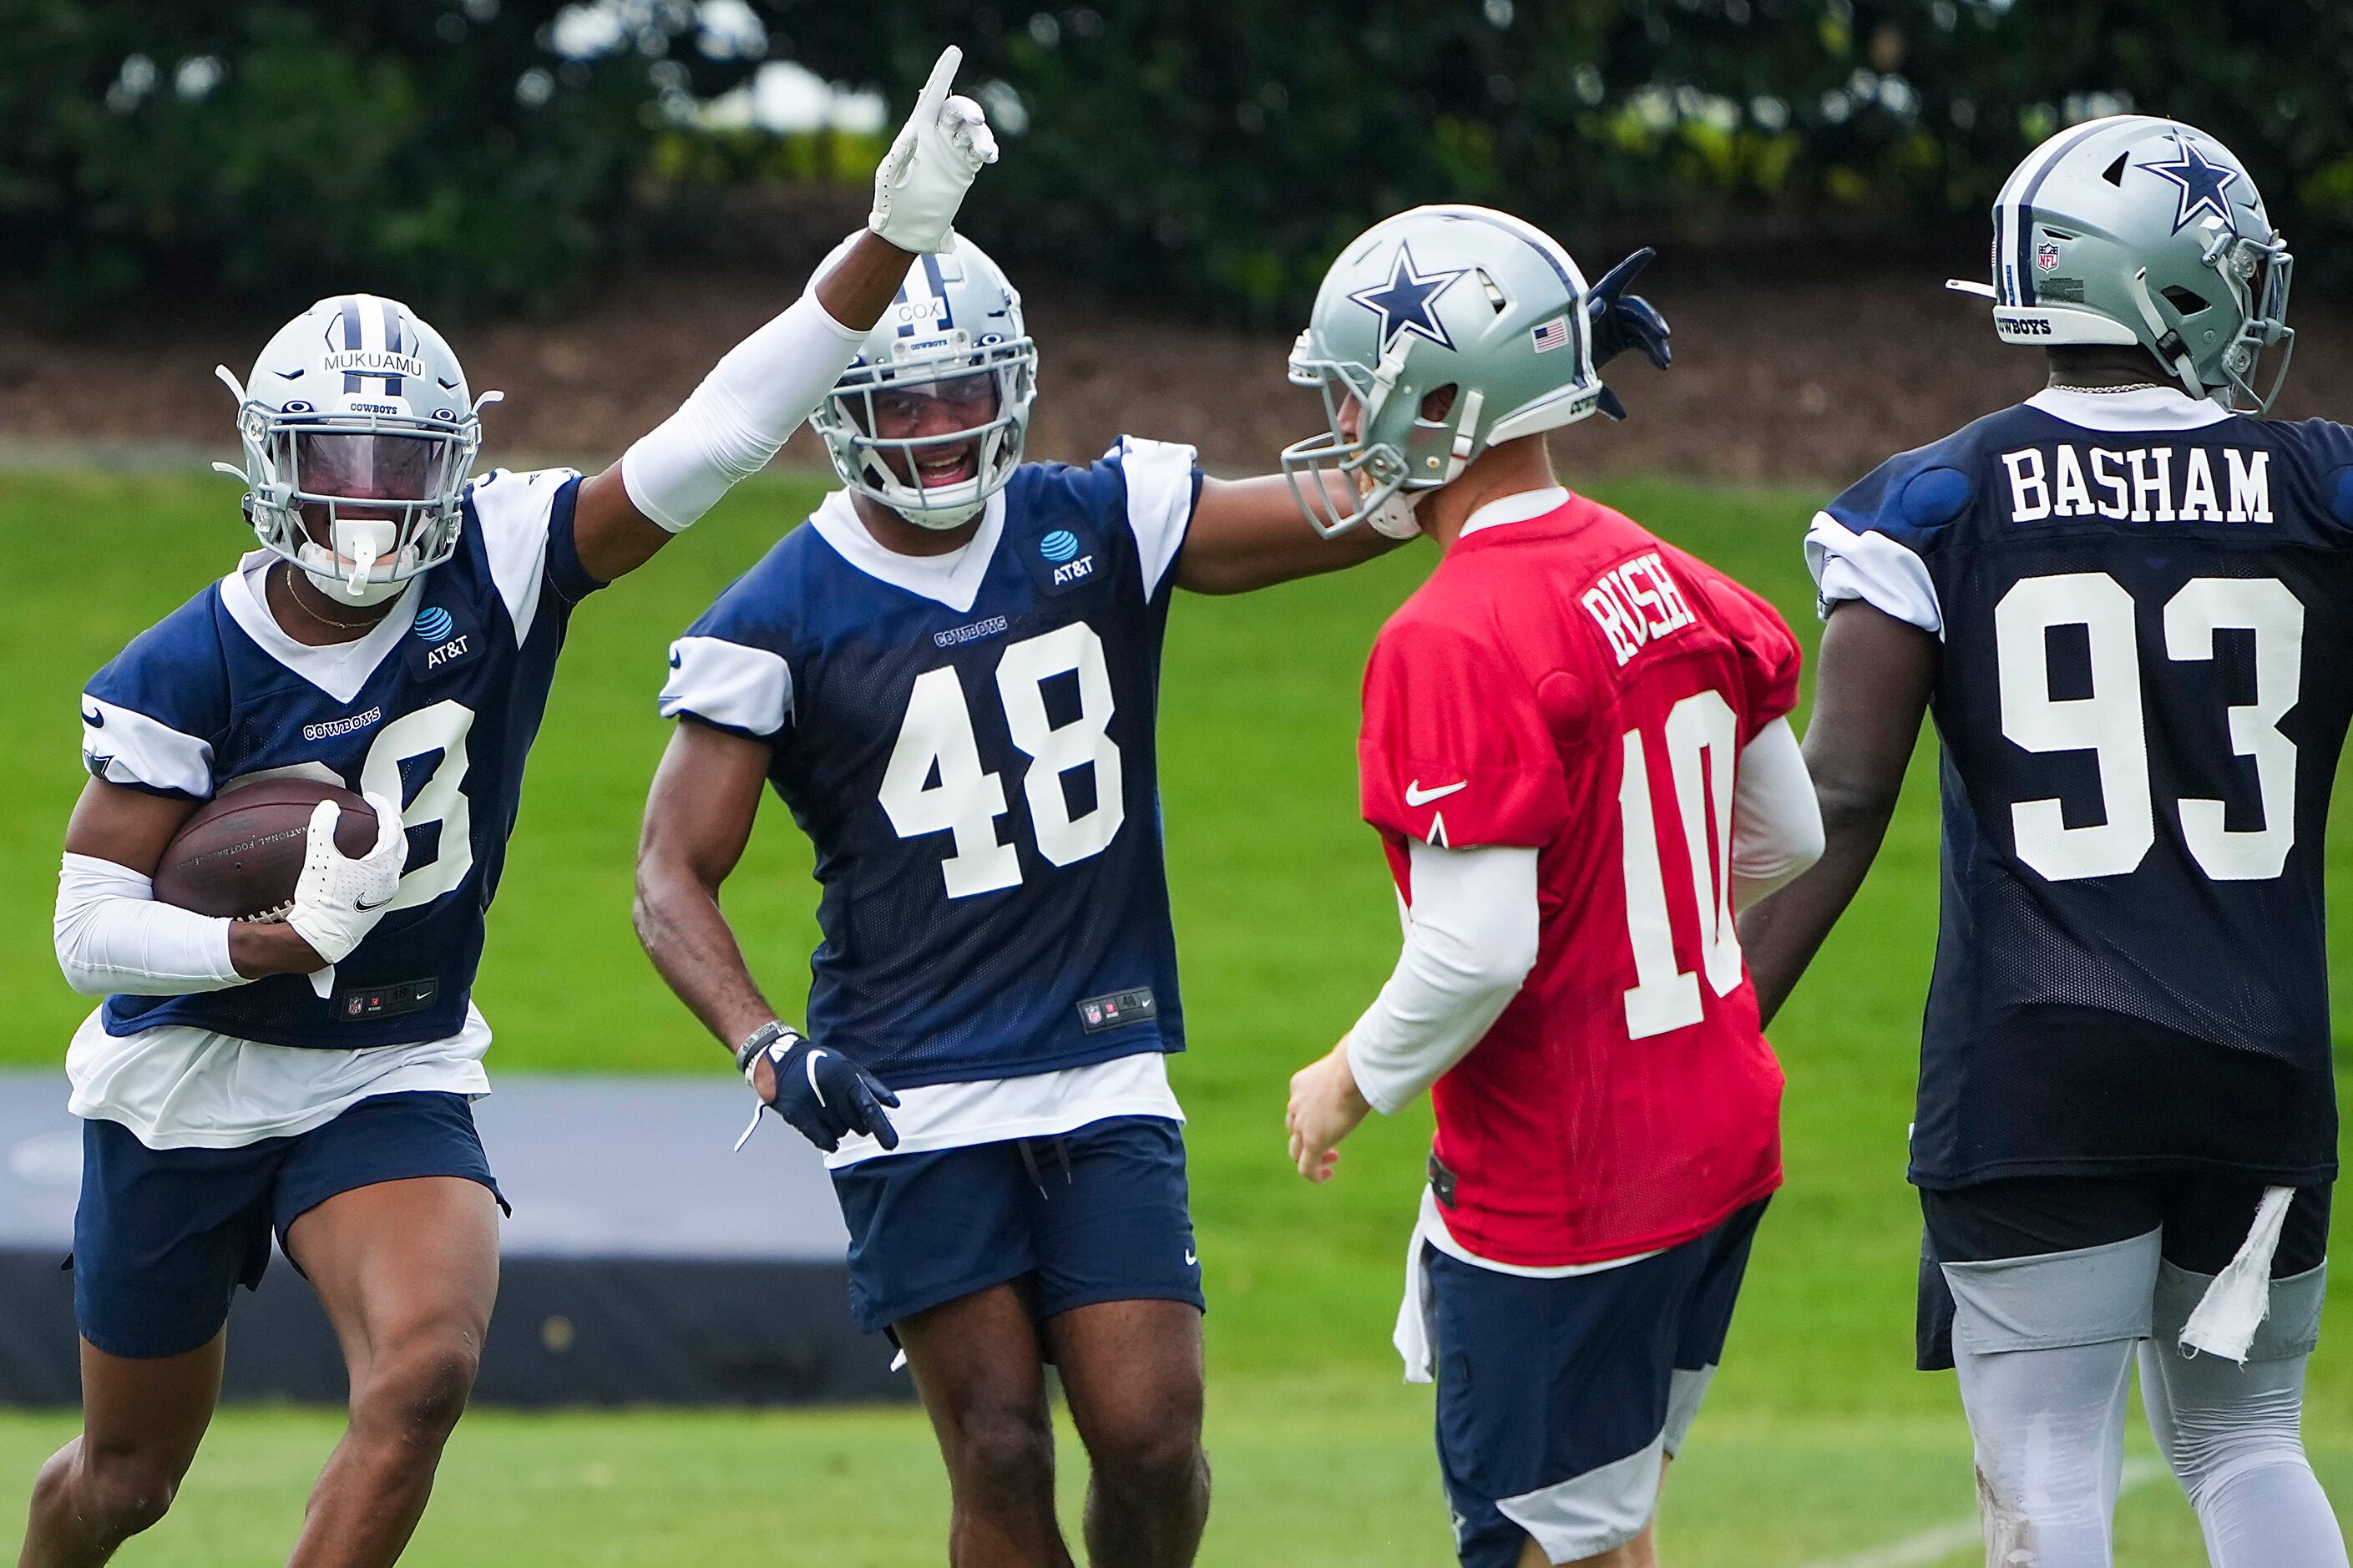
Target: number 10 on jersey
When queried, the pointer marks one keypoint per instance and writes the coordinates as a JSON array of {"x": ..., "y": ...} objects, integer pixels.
[
  {"x": 1702, "y": 735},
  {"x": 934, "y": 782}
]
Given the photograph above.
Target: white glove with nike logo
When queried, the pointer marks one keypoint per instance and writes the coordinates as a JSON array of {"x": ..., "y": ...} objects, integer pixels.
[
  {"x": 944, "y": 143},
  {"x": 338, "y": 899}
]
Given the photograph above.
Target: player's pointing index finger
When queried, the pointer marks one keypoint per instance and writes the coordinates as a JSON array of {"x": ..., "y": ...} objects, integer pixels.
[{"x": 935, "y": 88}]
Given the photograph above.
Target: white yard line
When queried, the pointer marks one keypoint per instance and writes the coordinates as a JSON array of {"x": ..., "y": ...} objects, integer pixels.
[{"x": 1933, "y": 1546}]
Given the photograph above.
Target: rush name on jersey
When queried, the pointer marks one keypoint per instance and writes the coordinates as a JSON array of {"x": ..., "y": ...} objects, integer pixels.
[
  {"x": 968, "y": 741},
  {"x": 2144, "y": 605},
  {"x": 434, "y": 707},
  {"x": 1570, "y": 684}
]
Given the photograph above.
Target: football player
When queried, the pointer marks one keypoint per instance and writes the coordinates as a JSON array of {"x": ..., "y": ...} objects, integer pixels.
[
  {"x": 950, "y": 676},
  {"x": 1576, "y": 754},
  {"x": 311, "y": 1074},
  {"x": 2126, "y": 602}
]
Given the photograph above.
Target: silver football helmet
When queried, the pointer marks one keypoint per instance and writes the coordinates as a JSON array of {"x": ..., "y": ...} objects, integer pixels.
[
  {"x": 954, "y": 333},
  {"x": 1438, "y": 297},
  {"x": 2131, "y": 229},
  {"x": 358, "y": 413}
]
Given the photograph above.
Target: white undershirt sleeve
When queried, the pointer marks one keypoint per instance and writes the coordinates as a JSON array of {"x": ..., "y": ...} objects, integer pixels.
[
  {"x": 114, "y": 940},
  {"x": 1777, "y": 822},
  {"x": 738, "y": 419},
  {"x": 1470, "y": 941}
]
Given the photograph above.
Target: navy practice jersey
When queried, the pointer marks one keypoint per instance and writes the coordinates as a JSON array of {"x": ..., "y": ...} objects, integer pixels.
[
  {"x": 434, "y": 707},
  {"x": 2145, "y": 607},
  {"x": 968, "y": 741}
]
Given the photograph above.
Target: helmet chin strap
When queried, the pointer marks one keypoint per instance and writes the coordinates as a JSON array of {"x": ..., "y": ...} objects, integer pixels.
[
  {"x": 361, "y": 541},
  {"x": 941, "y": 518},
  {"x": 910, "y": 503},
  {"x": 2183, "y": 368}
]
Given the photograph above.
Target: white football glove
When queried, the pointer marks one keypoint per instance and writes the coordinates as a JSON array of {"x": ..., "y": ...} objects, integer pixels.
[
  {"x": 922, "y": 180},
  {"x": 338, "y": 899}
]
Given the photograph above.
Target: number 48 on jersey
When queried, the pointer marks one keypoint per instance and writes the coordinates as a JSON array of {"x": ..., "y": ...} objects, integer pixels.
[{"x": 935, "y": 782}]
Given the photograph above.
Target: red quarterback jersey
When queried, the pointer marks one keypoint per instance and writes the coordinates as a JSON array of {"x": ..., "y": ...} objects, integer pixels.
[{"x": 1571, "y": 684}]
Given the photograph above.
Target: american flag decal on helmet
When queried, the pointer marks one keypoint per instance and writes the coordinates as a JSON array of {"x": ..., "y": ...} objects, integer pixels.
[{"x": 1550, "y": 336}]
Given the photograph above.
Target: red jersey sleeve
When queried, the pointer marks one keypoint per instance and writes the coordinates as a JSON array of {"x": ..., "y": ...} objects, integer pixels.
[
  {"x": 1768, "y": 652},
  {"x": 1455, "y": 749}
]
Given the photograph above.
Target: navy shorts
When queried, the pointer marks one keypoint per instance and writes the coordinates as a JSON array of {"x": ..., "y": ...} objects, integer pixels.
[
  {"x": 1098, "y": 1214},
  {"x": 162, "y": 1236},
  {"x": 1558, "y": 1399},
  {"x": 2202, "y": 1218}
]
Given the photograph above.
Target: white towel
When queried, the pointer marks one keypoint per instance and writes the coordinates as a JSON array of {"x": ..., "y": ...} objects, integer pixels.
[
  {"x": 2234, "y": 1306},
  {"x": 1412, "y": 1336}
]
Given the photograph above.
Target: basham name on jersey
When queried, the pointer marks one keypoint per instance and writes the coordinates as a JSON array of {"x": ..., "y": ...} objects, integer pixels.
[{"x": 2142, "y": 484}]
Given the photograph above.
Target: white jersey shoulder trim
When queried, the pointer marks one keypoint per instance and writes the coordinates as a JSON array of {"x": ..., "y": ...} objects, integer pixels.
[
  {"x": 2146, "y": 408},
  {"x": 1873, "y": 568},
  {"x": 339, "y": 669},
  {"x": 730, "y": 683},
  {"x": 513, "y": 510},
  {"x": 124, "y": 746},
  {"x": 1159, "y": 477},
  {"x": 952, "y": 579}
]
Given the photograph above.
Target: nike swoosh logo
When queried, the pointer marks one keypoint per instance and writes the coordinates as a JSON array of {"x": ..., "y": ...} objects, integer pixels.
[
  {"x": 809, "y": 1062},
  {"x": 377, "y": 905},
  {"x": 1189, "y": 1259},
  {"x": 1416, "y": 796},
  {"x": 93, "y": 717}
]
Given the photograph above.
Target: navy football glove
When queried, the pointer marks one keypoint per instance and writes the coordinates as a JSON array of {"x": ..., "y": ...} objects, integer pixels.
[
  {"x": 824, "y": 1094},
  {"x": 1617, "y": 320}
]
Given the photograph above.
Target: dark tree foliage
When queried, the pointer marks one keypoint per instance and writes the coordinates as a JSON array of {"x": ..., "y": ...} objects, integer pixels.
[
  {"x": 1224, "y": 149},
  {"x": 1215, "y": 152},
  {"x": 434, "y": 148}
]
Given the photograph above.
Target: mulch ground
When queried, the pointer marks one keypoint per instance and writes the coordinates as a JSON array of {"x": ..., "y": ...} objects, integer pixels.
[{"x": 1810, "y": 382}]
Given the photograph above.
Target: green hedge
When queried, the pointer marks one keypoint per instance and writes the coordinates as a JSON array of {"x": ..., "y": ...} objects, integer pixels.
[
  {"x": 1211, "y": 151},
  {"x": 1223, "y": 149},
  {"x": 435, "y": 148}
]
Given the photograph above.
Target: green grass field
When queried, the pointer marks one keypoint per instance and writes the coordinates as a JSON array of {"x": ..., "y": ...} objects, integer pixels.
[{"x": 1819, "y": 1445}]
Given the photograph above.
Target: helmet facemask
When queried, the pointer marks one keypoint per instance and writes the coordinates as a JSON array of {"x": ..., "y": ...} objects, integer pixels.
[
  {"x": 2250, "y": 279},
  {"x": 359, "y": 502},
  {"x": 1399, "y": 444},
  {"x": 995, "y": 382},
  {"x": 2259, "y": 273}
]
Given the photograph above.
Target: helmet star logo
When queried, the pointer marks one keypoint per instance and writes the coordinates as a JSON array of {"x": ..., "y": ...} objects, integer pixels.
[
  {"x": 2201, "y": 184},
  {"x": 1403, "y": 302}
]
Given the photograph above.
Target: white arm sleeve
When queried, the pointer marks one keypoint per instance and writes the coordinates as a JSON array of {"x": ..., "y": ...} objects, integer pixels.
[
  {"x": 738, "y": 419},
  {"x": 114, "y": 940},
  {"x": 1777, "y": 822},
  {"x": 1470, "y": 941}
]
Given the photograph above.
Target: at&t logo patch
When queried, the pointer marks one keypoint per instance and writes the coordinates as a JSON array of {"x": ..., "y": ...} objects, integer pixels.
[{"x": 1067, "y": 561}]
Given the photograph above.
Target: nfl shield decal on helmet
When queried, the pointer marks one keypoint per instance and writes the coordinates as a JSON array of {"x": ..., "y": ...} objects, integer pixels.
[{"x": 2046, "y": 255}]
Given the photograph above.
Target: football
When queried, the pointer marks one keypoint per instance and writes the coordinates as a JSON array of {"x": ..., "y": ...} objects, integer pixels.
[{"x": 241, "y": 854}]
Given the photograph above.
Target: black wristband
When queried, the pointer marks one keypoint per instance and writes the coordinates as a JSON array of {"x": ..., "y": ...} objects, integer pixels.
[{"x": 761, "y": 1039}]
